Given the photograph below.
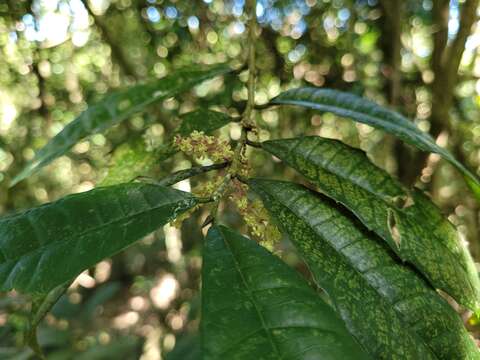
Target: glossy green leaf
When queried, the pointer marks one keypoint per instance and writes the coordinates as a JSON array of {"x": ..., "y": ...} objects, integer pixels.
[
  {"x": 133, "y": 158},
  {"x": 412, "y": 226},
  {"x": 367, "y": 112},
  {"x": 373, "y": 292},
  {"x": 255, "y": 307},
  {"x": 115, "y": 108},
  {"x": 46, "y": 246}
]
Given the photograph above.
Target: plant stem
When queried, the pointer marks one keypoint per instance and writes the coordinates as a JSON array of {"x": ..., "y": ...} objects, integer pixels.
[
  {"x": 38, "y": 313},
  {"x": 188, "y": 173},
  {"x": 254, "y": 143},
  {"x": 247, "y": 120},
  {"x": 218, "y": 194},
  {"x": 252, "y": 27}
]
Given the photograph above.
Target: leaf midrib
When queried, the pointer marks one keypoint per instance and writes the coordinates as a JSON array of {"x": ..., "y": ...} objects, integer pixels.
[
  {"x": 91, "y": 230},
  {"x": 252, "y": 298},
  {"x": 333, "y": 108}
]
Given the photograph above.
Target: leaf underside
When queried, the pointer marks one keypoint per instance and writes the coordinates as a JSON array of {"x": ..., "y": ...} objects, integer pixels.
[
  {"x": 367, "y": 112},
  {"x": 115, "y": 108},
  {"x": 255, "y": 306},
  {"x": 374, "y": 293},
  {"x": 46, "y": 246},
  {"x": 409, "y": 222}
]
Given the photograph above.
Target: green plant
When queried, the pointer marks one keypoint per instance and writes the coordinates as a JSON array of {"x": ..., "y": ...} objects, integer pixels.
[{"x": 377, "y": 249}]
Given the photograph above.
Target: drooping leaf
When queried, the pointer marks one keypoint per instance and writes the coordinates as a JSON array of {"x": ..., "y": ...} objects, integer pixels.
[
  {"x": 133, "y": 159},
  {"x": 46, "y": 246},
  {"x": 255, "y": 306},
  {"x": 115, "y": 108},
  {"x": 367, "y": 112},
  {"x": 411, "y": 225},
  {"x": 374, "y": 293}
]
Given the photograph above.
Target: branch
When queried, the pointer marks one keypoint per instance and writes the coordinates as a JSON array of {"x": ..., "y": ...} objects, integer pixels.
[
  {"x": 188, "y": 173},
  {"x": 446, "y": 68},
  {"x": 42, "y": 89},
  {"x": 445, "y": 63},
  {"x": 453, "y": 53},
  {"x": 392, "y": 43},
  {"x": 252, "y": 27},
  {"x": 440, "y": 15},
  {"x": 269, "y": 37},
  {"x": 117, "y": 53},
  {"x": 254, "y": 144},
  {"x": 247, "y": 123},
  {"x": 38, "y": 313}
]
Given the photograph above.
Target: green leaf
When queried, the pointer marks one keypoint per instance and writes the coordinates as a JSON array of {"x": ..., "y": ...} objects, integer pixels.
[
  {"x": 133, "y": 159},
  {"x": 255, "y": 306},
  {"x": 46, "y": 246},
  {"x": 411, "y": 225},
  {"x": 202, "y": 120},
  {"x": 367, "y": 112},
  {"x": 115, "y": 108},
  {"x": 374, "y": 293}
]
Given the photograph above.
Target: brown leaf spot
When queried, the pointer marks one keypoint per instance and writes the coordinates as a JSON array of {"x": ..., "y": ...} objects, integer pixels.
[{"x": 393, "y": 228}]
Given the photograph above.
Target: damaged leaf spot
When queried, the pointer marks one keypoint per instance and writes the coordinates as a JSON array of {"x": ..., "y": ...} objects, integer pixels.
[
  {"x": 393, "y": 228},
  {"x": 403, "y": 202}
]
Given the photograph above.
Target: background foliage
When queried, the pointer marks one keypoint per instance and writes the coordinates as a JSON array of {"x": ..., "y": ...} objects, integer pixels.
[{"x": 56, "y": 56}]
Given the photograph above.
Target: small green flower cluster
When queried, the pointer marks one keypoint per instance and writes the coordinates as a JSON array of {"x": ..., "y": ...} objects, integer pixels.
[
  {"x": 255, "y": 215},
  {"x": 201, "y": 146},
  {"x": 205, "y": 190}
]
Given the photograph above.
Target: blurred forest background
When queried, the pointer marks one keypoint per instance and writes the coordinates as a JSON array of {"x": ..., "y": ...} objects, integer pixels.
[{"x": 420, "y": 57}]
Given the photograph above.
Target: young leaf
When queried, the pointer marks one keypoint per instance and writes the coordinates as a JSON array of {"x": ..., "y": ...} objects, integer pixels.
[
  {"x": 411, "y": 225},
  {"x": 254, "y": 305},
  {"x": 368, "y": 112},
  {"x": 115, "y": 108},
  {"x": 46, "y": 246},
  {"x": 361, "y": 274},
  {"x": 133, "y": 159},
  {"x": 202, "y": 120}
]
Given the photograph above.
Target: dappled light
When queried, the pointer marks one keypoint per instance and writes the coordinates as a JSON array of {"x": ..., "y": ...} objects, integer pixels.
[{"x": 173, "y": 174}]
